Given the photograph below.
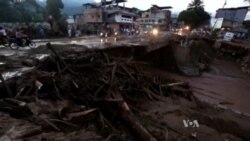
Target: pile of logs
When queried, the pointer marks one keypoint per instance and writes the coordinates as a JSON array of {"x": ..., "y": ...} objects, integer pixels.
[{"x": 67, "y": 91}]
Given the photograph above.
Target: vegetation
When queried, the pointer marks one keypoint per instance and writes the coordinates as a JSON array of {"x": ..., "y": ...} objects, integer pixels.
[
  {"x": 25, "y": 11},
  {"x": 195, "y": 15},
  {"x": 30, "y": 11},
  {"x": 54, "y": 8},
  {"x": 56, "y": 20}
]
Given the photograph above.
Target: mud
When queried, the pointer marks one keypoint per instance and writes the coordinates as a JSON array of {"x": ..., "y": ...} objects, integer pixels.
[{"x": 53, "y": 106}]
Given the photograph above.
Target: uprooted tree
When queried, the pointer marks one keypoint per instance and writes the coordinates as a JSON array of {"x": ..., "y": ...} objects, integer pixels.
[{"x": 195, "y": 15}]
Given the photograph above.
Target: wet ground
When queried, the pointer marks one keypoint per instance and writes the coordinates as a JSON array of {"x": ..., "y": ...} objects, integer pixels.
[
  {"x": 40, "y": 52},
  {"x": 224, "y": 84}
]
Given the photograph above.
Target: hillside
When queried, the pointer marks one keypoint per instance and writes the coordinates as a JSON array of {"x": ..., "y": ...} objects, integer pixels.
[{"x": 71, "y": 7}]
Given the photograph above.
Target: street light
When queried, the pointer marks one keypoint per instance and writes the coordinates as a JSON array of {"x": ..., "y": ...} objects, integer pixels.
[
  {"x": 187, "y": 27},
  {"x": 155, "y": 32}
]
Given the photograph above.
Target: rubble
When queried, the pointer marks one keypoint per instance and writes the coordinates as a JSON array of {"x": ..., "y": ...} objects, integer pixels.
[
  {"x": 101, "y": 95},
  {"x": 91, "y": 80}
]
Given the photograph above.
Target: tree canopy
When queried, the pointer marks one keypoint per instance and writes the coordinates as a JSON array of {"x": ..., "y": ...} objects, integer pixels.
[
  {"x": 196, "y": 4},
  {"x": 24, "y": 11},
  {"x": 195, "y": 15},
  {"x": 54, "y": 8}
]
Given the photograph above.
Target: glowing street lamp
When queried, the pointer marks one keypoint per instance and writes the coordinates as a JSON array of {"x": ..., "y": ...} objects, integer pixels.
[
  {"x": 187, "y": 27},
  {"x": 155, "y": 32}
]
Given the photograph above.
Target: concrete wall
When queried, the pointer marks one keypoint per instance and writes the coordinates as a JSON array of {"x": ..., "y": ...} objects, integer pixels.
[
  {"x": 114, "y": 26},
  {"x": 237, "y": 15},
  {"x": 120, "y": 19},
  {"x": 161, "y": 18},
  {"x": 92, "y": 15}
]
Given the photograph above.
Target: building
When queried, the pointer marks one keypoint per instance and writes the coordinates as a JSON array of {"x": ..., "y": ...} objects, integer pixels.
[
  {"x": 117, "y": 18},
  {"x": 107, "y": 15},
  {"x": 156, "y": 16},
  {"x": 232, "y": 17},
  {"x": 92, "y": 14}
]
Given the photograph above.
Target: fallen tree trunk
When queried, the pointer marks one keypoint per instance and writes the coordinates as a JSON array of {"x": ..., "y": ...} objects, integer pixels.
[{"x": 132, "y": 122}]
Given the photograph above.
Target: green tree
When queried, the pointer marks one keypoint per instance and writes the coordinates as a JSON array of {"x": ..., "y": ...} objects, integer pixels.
[
  {"x": 34, "y": 3},
  {"x": 54, "y": 8},
  {"x": 5, "y": 7},
  {"x": 195, "y": 15},
  {"x": 29, "y": 11},
  {"x": 22, "y": 11},
  {"x": 196, "y": 4}
]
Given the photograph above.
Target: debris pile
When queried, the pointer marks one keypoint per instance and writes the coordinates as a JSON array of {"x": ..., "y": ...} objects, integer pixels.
[
  {"x": 76, "y": 91},
  {"x": 101, "y": 95}
]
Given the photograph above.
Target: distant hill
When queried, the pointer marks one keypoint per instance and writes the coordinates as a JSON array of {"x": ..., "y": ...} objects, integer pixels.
[
  {"x": 74, "y": 3},
  {"x": 71, "y": 7}
]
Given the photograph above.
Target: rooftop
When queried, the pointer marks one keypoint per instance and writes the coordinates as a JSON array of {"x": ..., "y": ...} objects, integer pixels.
[
  {"x": 235, "y": 8},
  {"x": 112, "y": 2}
]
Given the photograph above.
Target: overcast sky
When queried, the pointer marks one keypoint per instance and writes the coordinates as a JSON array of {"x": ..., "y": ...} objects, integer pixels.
[{"x": 179, "y": 5}]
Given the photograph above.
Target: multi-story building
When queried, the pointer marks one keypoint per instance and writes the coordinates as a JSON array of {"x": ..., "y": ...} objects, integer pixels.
[
  {"x": 92, "y": 14},
  {"x": 117, "y": 18},
  {"x": 232, "y": 17},
  {"x": 156, "y": 16},
  {"x": 107, "y": 15}
]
